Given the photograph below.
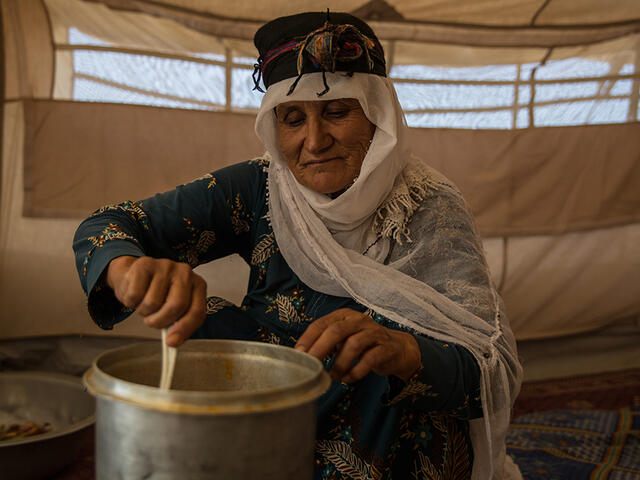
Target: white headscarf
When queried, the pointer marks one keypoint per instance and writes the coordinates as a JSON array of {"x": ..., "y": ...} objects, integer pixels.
[{"x": 322, "y": 240}]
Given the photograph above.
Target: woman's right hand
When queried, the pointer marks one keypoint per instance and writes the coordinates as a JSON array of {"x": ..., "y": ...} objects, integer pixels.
[{"x": 165, "y": 293}]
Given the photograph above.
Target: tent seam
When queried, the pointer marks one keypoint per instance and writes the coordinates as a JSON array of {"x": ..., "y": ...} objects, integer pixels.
[{"x": 538, "y": 12}]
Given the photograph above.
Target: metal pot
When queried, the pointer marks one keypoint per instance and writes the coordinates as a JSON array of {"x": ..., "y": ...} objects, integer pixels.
[{"x": 237, "y": 410}]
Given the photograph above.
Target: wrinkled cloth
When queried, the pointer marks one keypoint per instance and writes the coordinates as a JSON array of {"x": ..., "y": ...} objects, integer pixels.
[{"x": 377, "y": 428}]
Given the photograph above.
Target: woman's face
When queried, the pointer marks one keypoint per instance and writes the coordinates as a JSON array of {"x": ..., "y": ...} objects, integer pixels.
[{"x": 324, "y": 142}]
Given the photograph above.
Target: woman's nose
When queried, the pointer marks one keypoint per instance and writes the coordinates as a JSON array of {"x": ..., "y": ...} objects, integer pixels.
[{"x": 318, "y": 137}]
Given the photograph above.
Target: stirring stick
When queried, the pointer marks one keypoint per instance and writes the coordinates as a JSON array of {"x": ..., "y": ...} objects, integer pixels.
[{"x": 168, "y": 362}]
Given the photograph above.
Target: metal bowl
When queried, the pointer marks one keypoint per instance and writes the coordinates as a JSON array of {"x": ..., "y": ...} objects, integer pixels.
[{"x": 43, "y": 397}]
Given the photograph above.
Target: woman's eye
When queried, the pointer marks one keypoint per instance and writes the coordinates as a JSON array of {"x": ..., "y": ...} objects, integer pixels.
[
  {"x": 337, "y": 113},
  {"x": 293, "y": 120}
]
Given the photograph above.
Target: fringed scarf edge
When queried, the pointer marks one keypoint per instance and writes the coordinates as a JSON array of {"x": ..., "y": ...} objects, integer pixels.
[{"x": 392, "y": 217}]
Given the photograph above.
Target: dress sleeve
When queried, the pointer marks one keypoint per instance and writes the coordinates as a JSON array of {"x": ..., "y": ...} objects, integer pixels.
[
  {"x": 454, "y": 390},
  {"x": 446, "y": 253},
  {"x": 195, "y": 223}
]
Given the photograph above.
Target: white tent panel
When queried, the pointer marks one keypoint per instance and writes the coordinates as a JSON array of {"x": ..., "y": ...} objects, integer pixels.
[{"x": 128, "y": 30}]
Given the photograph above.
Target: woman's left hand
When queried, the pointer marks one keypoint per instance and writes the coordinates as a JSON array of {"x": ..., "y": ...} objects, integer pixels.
[{"x": 361, "y": 346}]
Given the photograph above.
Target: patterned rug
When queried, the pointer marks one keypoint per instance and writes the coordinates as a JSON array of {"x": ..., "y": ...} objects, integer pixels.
[{"x": 578, "y": 428}]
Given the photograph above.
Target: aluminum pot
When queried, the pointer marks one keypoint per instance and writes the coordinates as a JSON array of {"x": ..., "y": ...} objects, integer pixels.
[{"x": 236, "y": 410}]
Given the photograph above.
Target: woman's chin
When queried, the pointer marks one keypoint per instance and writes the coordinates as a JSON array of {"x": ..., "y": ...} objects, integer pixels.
[
  {"x": 331, "y": 190},
  {"x": 327, "y": 186}
]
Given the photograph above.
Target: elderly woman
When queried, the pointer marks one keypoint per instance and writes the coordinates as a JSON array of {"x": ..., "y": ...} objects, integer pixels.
[{"x": 360, "y": 255}]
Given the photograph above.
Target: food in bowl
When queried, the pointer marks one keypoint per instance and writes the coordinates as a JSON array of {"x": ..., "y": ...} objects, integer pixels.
[{"x": 20, "y": 430}]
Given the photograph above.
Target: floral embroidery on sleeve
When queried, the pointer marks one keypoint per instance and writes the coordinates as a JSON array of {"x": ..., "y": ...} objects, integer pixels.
[
  {"x": 344, "y": 460},
  {"x": 268, "y": 337},
  {"x": 290, "y": 308},
  {"x": 440, "y": 443},
  {"x": 416, "y": 428},
  {"x": 133, "y": 209},
  {"x": 111, "y": 232},
  {"x": 215, "y": 304},
  {"x": 262, "y": 161},
  {"x": 286, "y": 311},
  {"x": 261, "y": 253},
  {"x": 414, "y": 389},
  {"x": 264, "y": 249},
  {"x": 455, "y": 463},
  {"x": 200, "y": 241},
  {"x": 208, "y": 176},
  {"x": 240, "y": 218}
]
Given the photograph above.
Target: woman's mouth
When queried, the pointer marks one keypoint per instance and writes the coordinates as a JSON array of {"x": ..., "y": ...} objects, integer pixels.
[{"x": 317, "y": 161}]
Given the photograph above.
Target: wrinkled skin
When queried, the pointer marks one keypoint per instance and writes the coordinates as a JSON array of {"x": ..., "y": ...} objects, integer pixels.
[
  {"x": 355, "y": 337},
  {"x": 324, "y": 144},
  {"x": 165, "y": 293}
]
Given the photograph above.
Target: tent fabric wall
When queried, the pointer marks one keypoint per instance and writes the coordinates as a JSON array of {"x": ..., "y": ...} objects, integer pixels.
[
  {"x": 81, "y": 156},
  {"x": 556, "y": 285},
  {"x": 28, "y": 50},
  {"x": 142, "y": 25},
  {"x": 566, "y": 259},
  {"x": 551, "y": 284},
  {"x": 127, "y": 29},
  {"x": 542, "y": 180},
  {"x": 477, "y": 12},
  {"x": 536, "y": 22}
]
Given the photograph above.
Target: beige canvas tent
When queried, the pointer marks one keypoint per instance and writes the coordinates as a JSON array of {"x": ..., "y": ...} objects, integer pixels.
[{"x": 530, "y": 106}]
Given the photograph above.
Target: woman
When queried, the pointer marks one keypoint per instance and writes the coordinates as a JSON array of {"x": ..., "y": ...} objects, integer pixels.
[{"x": 360, "y": 254}]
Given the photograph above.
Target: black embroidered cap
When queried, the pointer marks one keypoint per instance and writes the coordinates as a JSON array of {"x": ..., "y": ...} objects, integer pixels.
[{"x": 316, "y": 42}]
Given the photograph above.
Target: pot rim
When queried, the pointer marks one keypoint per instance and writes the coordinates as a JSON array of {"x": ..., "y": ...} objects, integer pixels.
[{"x": 105, "y": 386}]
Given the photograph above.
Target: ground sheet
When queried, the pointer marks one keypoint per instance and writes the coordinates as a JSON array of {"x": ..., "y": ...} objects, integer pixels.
[{"x": 578, "y": 428}]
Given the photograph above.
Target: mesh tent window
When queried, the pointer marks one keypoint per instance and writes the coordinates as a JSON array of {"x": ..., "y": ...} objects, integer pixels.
[
  {"x": 102, "y": 72},
  {"x": 560, "y": 88}
]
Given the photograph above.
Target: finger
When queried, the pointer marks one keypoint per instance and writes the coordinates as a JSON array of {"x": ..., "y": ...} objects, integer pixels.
[
  {"x": 318, "y": 326},
  {"x": 192, "y": 320},
  {"x": 333, "y": 335},
  {"x": 117, "y": 269},
  {"x": 156, "y": 294},
  {"x": 370, "y": 361},
  {"x": 133, "y": 287},
  {"x": 176, "y": 304},
  {"x": 353, "y": 349}
]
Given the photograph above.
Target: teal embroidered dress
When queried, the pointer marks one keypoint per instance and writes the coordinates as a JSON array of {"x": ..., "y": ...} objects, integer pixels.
[{"x": 377, "y": 428}]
